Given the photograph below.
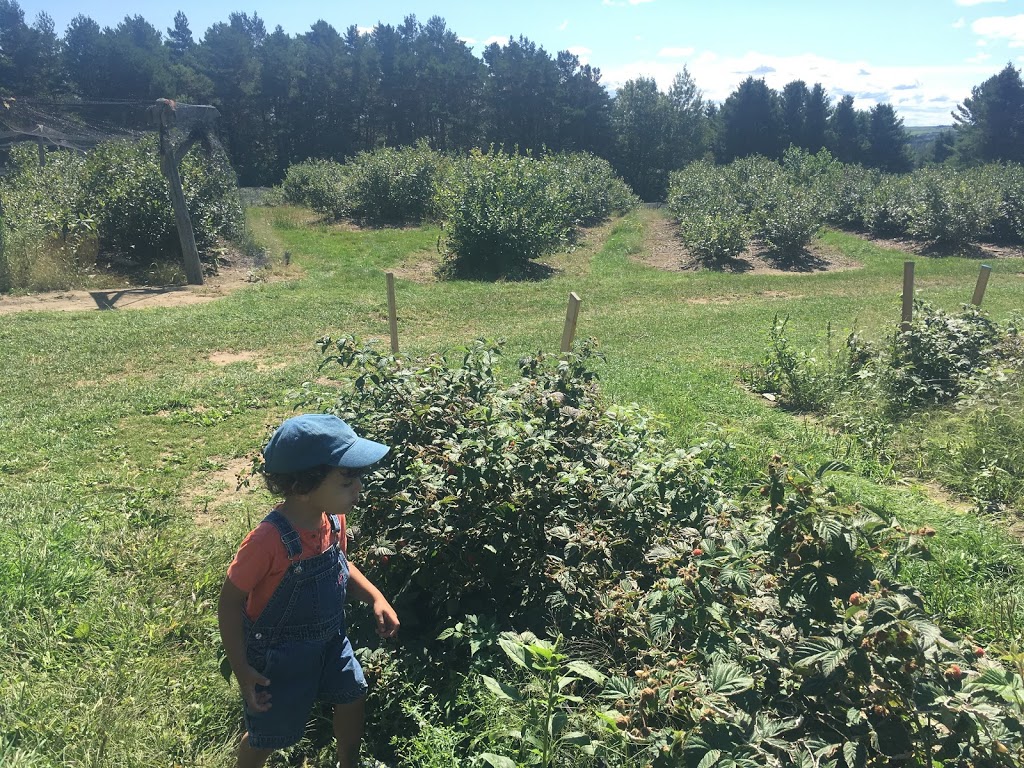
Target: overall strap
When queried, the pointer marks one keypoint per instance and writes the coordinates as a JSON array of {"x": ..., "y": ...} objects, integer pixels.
[
  {"x": 337, "y": 532},
  {"x": 289, "y": 536}
]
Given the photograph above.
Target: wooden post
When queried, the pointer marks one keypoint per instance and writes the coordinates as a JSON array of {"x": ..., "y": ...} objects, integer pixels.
[
  {"x": 908, "y": 294},
  {"x": 392, "y": 312},
  {"x": 979, "y": 289},
  {"x": 169, "y": 160},
  {"x": 42, "y": 151},
  {"x": 572, "y": 314}
]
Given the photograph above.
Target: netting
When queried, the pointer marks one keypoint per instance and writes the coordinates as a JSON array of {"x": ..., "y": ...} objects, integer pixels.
[
  {"x": 71, "y": 125},
  {"x": 81, "y": 125}
]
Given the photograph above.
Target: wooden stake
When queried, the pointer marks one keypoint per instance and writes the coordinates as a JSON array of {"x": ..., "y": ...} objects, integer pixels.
[
  {"x": 392, "y": 312},
  {"x": 979, "y": 289},
  {"x": 908, "y": 294},
  {"x": 572, "y": 314},
  {"x": 169, "y": 161}
]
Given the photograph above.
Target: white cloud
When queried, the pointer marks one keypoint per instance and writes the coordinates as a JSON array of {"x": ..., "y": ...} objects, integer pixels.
[
  {"x": 979, "y": 58},
  {"x": 982, "y": 42},
  {"x": 563, "y": 26},
  {"x": 1010, "y": 28},
  {"x": 920, "y": 95},
  {"x": 959, "y": 23},
  {"x": 675, "y": 53},
  {"x": 470, "y": 41},
  {"x": 365, "y": 30},
  {"x": 977, "y": 2},
  {"x": 496, "y": 39},
  {"x": 624, "y": 3},
  {"x": 581, "y": 52}
]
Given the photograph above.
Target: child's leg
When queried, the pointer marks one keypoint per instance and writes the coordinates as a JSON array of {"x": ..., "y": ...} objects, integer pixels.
[
  {"x": 348, "y": 731},
  {"x": 250, "y": 757}
]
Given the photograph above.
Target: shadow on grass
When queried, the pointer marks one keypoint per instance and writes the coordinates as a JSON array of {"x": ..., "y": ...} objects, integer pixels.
[
  {"x": 802, "y": 261},
  {"x": 125, "y": 296},
  {"x": 530, "y": 272}
]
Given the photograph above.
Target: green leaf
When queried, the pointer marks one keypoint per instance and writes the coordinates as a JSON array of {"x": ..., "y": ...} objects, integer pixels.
[
  {"x": 827, "y": 653},
  {"x": 728, "y": 678},
  {"x": 498, "y": 761},
  {"x": 501, "y": 690},
  {"x": 710, "y": 759},
  {"x": 851, "y": 752},
  {"x": 566, "y": 680},
  {"x": 577, "y": 739},
  {"x": 1004, "y": 683},
  {"x": 587, "y": 671},
  {"x": 515, "y": 651},
  {"x": 557, "y": 723},
  {"x": 831, "y": 466}
]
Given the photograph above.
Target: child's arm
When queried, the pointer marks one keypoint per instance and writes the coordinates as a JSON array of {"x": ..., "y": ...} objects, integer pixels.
[
  {"x": 362, "y": 589},
  {"x": 232, "y": 634}
]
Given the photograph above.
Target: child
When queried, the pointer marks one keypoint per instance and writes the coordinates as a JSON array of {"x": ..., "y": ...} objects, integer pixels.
[{"x": 281, "y": 612}]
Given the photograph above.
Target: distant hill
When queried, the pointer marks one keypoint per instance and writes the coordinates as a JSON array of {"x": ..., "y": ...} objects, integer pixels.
[
  {"x": 921, "y": 137},
  {"x": 926, "y": 132}
]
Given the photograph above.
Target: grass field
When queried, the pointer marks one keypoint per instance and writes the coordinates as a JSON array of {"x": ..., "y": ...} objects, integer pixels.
[{"x": 123, "y": 431}]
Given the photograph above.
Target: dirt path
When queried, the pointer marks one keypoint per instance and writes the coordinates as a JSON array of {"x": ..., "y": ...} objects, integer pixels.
[
  {"x": 663, "y": 249},
  {"x": 228, "y": 279}
]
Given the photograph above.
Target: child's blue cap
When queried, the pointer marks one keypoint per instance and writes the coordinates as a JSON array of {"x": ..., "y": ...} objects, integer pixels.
[{"x": 318, "y": 439}]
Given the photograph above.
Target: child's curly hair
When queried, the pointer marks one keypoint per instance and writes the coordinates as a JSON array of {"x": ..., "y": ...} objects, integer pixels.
[{"x": 295, "y": 483}]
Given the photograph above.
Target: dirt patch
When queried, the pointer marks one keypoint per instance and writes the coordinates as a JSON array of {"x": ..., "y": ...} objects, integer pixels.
[
  {"x": 663, "y": 249},
  {"x": 730, "y": 298},
  {"x": 418, "y": 267},
  {"x": 975, "y": 251},
  {"x": 229, "y": 278},
  {"x": 213, "y": 490},
  {"x": 226, "y": 357}
]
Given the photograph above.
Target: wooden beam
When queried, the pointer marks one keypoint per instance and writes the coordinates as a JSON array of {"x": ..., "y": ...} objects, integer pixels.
[
  {"x": 979, "y": 289},
  {"x": 572, "y": 314},
  {"x": 908, "y": 294},
  {"x": 392, "y": 312},
  {"x": 163, "y": 112}
]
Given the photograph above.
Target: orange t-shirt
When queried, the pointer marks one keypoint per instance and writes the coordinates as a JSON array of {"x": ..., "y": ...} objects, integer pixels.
[{"x": 261, "y": 560}]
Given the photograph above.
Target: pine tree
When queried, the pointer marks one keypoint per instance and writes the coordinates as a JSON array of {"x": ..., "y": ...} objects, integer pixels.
[
  {"x": 990, "y": 123},
  {"x": 179, "y": 37},
  {"x": 817, "y": 111},
  {"x": 751, "y": 122},
  {"x": 845, "y": 140},
  {"x": 888, "y": 147},
  {"x": 794, "y": 112}
]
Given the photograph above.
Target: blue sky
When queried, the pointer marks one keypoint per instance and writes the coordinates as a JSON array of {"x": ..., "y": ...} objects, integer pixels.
[{"x": 922, "y": 56}]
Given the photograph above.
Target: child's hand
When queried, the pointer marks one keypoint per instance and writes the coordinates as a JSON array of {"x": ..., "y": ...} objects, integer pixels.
[
  {"x": 255, "y": 701},
  {"x": 387, "y": 619}
]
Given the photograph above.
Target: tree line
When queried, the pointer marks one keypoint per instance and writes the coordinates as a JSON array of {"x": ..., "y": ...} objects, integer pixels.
[{"x": 324, "y": 93}]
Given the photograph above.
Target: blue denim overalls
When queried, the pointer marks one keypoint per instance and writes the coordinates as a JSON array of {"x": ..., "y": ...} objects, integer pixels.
[{"x": 299, "y": 641}]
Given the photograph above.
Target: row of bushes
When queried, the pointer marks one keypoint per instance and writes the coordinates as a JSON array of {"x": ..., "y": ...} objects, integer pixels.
[
  {"x": 961, "y": 371},
  {"x": 687, "y": 627},
  {"x": 499, "y": 211},
  {"x": 944, "y": 207},
  {"x": 782, "y": 205},
  {"x": 720, "y": 209},
  {"x": 59, "y": 217}
]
